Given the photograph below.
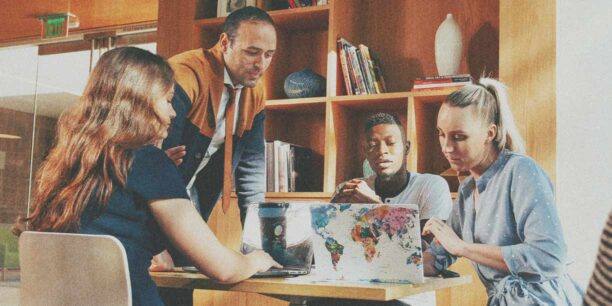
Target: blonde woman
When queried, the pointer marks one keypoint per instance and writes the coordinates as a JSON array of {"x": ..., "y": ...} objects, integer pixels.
[
  {"x": 106, "y": 175},
  {"x": 505, "y": 219}
]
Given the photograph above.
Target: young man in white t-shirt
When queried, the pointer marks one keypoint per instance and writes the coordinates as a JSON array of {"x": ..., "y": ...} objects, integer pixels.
[{"x": 386, "y": 148}]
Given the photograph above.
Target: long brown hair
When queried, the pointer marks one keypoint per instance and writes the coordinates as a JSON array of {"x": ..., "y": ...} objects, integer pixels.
[{"x": 95, "y": 139}]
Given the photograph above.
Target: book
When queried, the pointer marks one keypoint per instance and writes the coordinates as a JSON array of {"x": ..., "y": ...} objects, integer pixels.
[
  {"x": 345, "y": 70},
  {"x": 276, "y": 161},
  {"x": 455, "y": 87},
  {"x": 443, "y": 79},
  {"x": 269, "y": 166},
  {"x": 360, "y": 68},
  {"x": 431, "y": 85},
  {"x": 369, "y": 68},
  {"x": 352, "y": 52},
  {"x": 350, "y": 68},
  {"x": 288, "y": 167},
  {"x": 369, "y": 83},
  {"x": 378, "y": 71}
]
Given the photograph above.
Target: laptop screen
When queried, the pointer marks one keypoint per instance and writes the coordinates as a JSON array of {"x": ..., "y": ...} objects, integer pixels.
[
  {"x": 281, "y": 229},
  {"x": 367, "y": 242}
]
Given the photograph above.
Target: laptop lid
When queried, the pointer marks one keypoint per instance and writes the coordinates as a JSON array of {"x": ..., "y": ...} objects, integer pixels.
[
  {"x": 367, "y": 242},
  {"x": 283, "y": 230}
]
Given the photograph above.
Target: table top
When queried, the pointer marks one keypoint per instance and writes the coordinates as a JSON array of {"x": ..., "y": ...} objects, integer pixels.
[{"x": 308, "y": 286}]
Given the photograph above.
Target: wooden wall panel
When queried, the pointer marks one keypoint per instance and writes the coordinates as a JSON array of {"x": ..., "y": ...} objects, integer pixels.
[
  {"x": 102, "y": 13},
  {"x": 527, "y": 66},
  {"x": 18, "y": 18},
  {"x": 402, "y": 32},
  {"x": 175, "y": 26}
]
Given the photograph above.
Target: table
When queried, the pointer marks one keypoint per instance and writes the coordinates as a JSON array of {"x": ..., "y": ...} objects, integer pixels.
[{"x": 298, "y": 290}]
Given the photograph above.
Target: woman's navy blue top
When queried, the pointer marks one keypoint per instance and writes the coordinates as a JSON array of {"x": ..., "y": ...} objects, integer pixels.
[{"x": 128, "y": 218}]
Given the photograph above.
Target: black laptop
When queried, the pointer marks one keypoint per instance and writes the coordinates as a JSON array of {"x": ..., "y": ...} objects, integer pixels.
[{"x": 284, "y": 231}]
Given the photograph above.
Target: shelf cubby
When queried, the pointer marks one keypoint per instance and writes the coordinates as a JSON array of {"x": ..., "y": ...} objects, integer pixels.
[{"x": 300, "y": 122}]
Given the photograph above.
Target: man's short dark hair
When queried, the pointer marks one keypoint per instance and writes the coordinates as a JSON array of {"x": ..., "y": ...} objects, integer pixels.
[
  {"x": 249, "y": 13},
  {"x": 382, "y": 118}
]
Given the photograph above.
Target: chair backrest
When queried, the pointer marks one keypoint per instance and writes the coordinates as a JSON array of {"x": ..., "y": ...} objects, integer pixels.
[{"x": 73, "y": 269}]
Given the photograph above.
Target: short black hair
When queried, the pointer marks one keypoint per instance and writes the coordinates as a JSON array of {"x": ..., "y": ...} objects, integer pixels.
[
  {"x": 249, "y": 13},
  {"x": 382, "y": 118}
]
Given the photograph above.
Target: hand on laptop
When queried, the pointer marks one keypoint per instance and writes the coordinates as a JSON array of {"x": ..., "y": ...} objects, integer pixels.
[
  {"x": 161, "y": 262},
  {"x": 262, "y": 260},
  {"x": 356, "y": 191},
  {"x": 445, "y": 236}
]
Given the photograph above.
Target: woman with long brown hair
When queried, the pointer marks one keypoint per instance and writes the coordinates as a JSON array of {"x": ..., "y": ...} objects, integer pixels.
[{"x": 106, "y": 175}]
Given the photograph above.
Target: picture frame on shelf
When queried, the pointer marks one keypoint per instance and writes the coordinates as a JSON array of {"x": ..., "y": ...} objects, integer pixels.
[{"x": 225, "y": 7}]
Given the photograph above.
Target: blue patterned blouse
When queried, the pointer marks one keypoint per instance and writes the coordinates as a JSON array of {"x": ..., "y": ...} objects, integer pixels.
[{"x": 516, "y": 212}]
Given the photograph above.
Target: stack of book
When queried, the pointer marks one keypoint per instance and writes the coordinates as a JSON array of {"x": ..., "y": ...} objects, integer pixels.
[
  {"x": 288, "y": 167},
  {"x": 360, "y": 69},
  {"x": 442, "y": 82},
  {"x": 303, "y": 3}
]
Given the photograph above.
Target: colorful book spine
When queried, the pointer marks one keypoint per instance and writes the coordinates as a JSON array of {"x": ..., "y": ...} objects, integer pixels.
[
  {"x": 444, "y": 79},
  {"x": 453, "y": 87},
  {"x": 357, "y": 70},
  {"x": 430, "y": 85},
  {"x": 365, "y": 52},
  {"x": 378, "y": 71},
  {"x": 345, "y": 70},
  {"x": 361, "y": 69}
]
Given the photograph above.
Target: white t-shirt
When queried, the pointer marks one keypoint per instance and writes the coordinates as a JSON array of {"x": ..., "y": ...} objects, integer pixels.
[{"x": 430, "y": 192}]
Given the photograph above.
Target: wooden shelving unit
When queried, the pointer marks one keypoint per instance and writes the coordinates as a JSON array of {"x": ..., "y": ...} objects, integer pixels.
[{"x": 402, "y": 33}]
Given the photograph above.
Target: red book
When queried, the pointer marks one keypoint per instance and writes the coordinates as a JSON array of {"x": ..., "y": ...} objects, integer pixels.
[{"x": 345, "y": 70}]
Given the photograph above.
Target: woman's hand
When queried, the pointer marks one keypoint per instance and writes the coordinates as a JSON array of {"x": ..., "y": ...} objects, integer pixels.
[
  {"x": 262, "y": 260},
  {"x": 445, "y": 235},
  {"x": 162, "y": 262}
]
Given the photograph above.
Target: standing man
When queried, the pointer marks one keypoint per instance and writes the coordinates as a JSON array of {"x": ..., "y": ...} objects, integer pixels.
[
  {"x": 218, "y": 131},
  {"x": 214, "y": 87}
]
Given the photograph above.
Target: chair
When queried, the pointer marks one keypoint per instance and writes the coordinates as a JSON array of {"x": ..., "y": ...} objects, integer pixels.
[
  {"x": 9, "y": 255},
  {"x": 73, "y": 269}
]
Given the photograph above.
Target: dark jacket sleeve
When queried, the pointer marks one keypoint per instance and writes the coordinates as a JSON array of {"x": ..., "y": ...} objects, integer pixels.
[
  {"x": 250, "y": 171},
  {"x": 181, "y": 104}
]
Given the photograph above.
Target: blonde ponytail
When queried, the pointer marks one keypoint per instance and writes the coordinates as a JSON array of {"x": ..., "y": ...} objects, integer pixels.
[{"x": 490, "y": 99}]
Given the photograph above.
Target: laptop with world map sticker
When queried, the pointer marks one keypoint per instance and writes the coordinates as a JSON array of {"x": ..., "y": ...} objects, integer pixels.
[{"x": 367, "y": 242}]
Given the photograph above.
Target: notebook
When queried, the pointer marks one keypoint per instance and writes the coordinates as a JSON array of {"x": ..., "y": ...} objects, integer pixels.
[
  {"x": 367, "y": 242},
  {"x": 282, "y": 230}
]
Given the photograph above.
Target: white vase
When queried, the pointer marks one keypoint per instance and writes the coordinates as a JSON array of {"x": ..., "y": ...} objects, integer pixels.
[{"x": 449, "y": 44}]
